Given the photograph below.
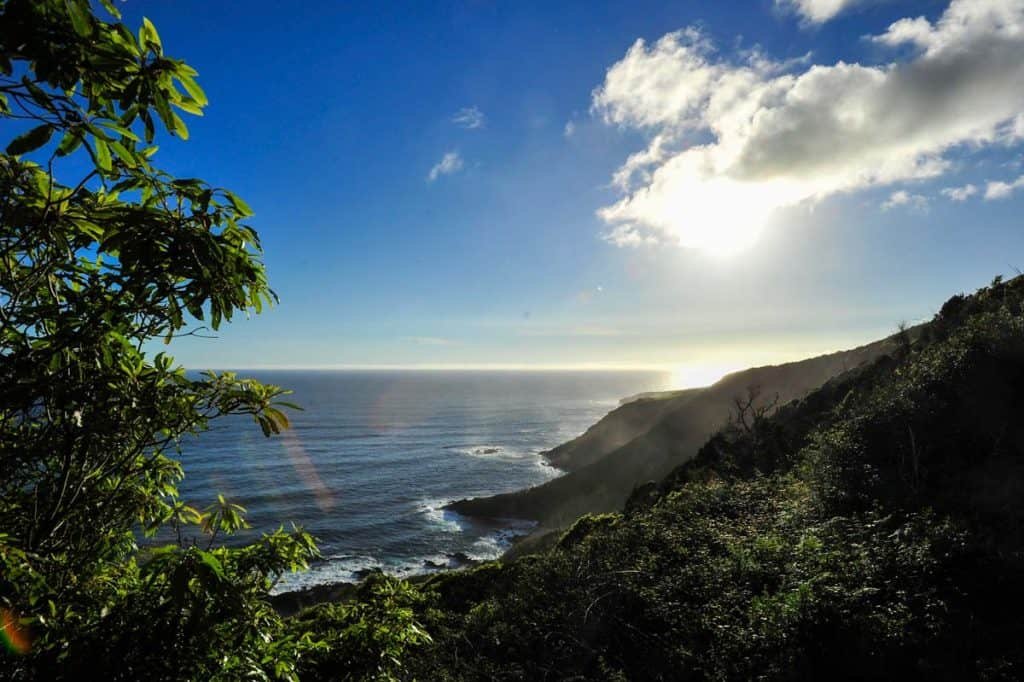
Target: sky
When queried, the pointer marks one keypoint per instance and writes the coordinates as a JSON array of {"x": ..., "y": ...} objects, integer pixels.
[{"x": 689, "y": 185}]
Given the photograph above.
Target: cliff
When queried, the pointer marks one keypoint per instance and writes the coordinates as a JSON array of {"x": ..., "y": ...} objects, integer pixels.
[{"x": 644, "y": 439}]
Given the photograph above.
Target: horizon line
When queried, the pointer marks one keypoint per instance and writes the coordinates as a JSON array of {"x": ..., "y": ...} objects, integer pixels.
[{"x": 482, "y": 367}]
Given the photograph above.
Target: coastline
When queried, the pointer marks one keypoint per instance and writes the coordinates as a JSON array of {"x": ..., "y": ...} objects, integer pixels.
[
  {"x": 639, "y": 441},
  {"x": 289, "y": 602},
  {"x": 506, "y": 533}
]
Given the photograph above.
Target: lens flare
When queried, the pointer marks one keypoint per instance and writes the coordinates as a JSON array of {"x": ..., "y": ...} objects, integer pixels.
[
  {"x": 15, "y": 637},
  {"x": 306, "y": 469}
]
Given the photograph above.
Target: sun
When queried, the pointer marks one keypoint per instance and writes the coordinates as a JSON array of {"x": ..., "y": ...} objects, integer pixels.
[
  {"x": 719, "y": 217},
  {"x": 697, "y": 375}
]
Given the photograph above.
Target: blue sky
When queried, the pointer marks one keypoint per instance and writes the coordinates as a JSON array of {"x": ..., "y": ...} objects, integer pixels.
[{"x": 783, "y": 206}]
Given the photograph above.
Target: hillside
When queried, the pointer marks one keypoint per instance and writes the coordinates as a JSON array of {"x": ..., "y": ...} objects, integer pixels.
[
  {"x": 871, "y": 530},
  {"x": 633, "y": 417},
  {"x": 644, "y": 439}
]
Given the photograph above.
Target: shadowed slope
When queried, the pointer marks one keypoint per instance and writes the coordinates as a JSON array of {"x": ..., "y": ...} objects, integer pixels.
[
  {"x": 633, "y": 417},
  {"x": 643, "y": 440}
]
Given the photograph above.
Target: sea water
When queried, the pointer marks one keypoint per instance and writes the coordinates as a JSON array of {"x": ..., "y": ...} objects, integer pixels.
[{"x": 369, "y": 463}]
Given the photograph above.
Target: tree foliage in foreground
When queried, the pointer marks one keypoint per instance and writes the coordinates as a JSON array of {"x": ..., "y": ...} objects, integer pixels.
[{"x": 102, "y": 255}]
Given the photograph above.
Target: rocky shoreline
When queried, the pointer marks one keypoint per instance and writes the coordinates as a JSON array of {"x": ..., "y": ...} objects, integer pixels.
[{"x": 291, "y": 602}]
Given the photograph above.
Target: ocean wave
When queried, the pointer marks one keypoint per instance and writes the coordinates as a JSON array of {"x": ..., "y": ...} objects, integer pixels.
[
  {"x": 491, "y": 451},
  {"x": 437, "y": 515},
  {"x": 350, "y": 568},
  {"x": 334, "y": 569},
  {"x": 494, "y": 544}
]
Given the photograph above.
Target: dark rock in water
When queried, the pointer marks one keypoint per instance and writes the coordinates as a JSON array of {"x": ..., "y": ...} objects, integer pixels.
[
  {"x": 364, "y": 573},
  {"x": 427, "y": 563},
  {"x": 460, "y": 559},
  {"x": 290, "y": 603},
  {"x": 486, "y": 451}
]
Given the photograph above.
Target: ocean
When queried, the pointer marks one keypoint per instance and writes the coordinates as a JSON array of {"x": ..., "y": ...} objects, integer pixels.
[{"x": 374, "y": 456}]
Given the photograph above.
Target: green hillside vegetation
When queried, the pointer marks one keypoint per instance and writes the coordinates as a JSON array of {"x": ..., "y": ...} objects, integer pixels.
[
  {"x": 643, "y": 440},
  {"x": 633, "y": 417},
  {"x": 871, "y": 530}
]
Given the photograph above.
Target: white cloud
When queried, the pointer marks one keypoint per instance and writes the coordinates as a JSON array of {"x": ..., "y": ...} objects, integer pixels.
[
  {"x": 570, "y": 129},
  {"x": 998, "y": 189},
  {"x": 470, "y": 118},
  {"x": 1013, "y": 131},
  {"x": 817, "y": 11},
  {"x": 663, "y": 85},
  {"x": 904, "y": 198},
  {"x": 449, "y": 163},
  {"x": 960, "y": 193},
  {"x": 629, "y": 235},
  {"x": 731, "y": 142},
  {"x": 908, "y": 30}
]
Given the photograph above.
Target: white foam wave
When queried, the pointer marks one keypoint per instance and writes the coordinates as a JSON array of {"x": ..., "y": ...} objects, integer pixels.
[
  {"x": 437, "y": 515},
  {"x": 488, "y": 450},
  {"x": 353, "y": 568},
  {"x": 494, "y": 544},
  {"x": 336, "y": 569}
]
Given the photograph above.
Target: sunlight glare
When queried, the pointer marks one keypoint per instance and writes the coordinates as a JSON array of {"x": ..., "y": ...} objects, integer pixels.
[
  {"x": 719, "y": 216},
  {"x": 698, "y": 375}
]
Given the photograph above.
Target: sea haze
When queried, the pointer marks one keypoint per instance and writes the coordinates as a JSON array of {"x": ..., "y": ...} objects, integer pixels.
[{"x": 374, "y": 455}]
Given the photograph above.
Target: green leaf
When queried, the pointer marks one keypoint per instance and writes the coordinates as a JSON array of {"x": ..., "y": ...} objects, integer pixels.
[
  {"x": 189, "y": 106},
  {"x": 90, "y": 229},
  {"x": 124, "y": 132},
  {"x": 148, "y": 34},
  {"x": 120, "y": 338},
  {"x": 38, "y": 95},
  {"x": 102, "y": 154},
  {"x": 147, "y": 122},
  {"x": 109, "y": 6},
  {"x": 71, "y": 141},
  {"x": 163, "y": 109},
  {"x": 79, "y": 18},
  {"x": 179, "y": 126},
  {"x": 192, "y": 88},
  {"x": 33, "y": 139},
  {"x": 123, "y": 154},
  {"x": 279, "y": 419},
  {"x": 240, "y": 206},
  {"x": 213, "y": 562}
]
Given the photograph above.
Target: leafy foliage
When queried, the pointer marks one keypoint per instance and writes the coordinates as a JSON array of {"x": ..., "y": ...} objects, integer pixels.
[
  {"x": 103, "y": 254},
  {"x": 367, "y": 638}
]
